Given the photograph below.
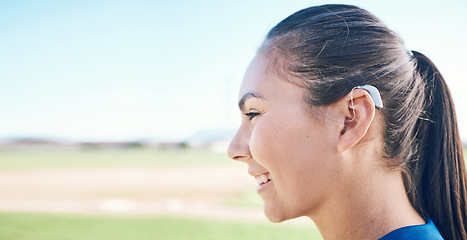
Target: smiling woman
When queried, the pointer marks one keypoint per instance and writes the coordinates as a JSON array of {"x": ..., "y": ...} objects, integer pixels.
[
  {"x": 286, "y": 143},
  {"x": 319, "y": 146}
]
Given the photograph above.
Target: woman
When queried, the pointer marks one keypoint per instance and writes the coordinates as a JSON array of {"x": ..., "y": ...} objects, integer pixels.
[{"x": 342, "y": 124}]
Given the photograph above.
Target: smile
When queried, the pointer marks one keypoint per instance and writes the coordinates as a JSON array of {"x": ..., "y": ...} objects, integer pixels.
[{"x": 263, "y": 178}]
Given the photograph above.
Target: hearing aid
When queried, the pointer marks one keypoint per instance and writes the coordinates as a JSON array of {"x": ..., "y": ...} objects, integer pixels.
[{"x": 374, "y": 93}]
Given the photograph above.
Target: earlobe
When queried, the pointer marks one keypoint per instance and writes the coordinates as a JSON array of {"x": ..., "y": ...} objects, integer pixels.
[{"x": 358, "y": 113}]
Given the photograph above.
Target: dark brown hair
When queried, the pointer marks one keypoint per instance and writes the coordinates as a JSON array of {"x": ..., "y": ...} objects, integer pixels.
[{"x": 333, "y": 48}]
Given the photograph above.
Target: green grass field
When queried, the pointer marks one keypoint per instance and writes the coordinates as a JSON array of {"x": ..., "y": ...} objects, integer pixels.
[
  {"x": 35, "y": 158},
  {"x": 24, "y": 226}
]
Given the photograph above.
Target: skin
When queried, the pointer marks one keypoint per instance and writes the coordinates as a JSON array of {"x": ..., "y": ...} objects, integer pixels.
[{"x": 323, "y": 164}]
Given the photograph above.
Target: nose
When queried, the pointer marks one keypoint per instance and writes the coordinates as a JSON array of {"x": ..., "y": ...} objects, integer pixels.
[{"x": 239, "y": 146}]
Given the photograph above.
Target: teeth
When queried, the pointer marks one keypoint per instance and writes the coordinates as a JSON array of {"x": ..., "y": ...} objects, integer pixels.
[
  {"x": 258, "y": 180},
  {"x": 263, "y": 178}
]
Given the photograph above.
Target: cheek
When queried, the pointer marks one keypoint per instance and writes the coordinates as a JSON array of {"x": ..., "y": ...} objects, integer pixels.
[
  {"x": 292, "y": 150},
  {"x": 260, "y": 135},
  {"x": 276, "y": 144},
  {"x": 267, "y": 141}
]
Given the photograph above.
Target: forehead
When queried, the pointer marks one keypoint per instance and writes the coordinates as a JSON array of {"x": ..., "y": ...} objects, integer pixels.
[
  {"x": 254, "y": 75},
  {"x": 261, "y": 79},
  {"x": 260, "y": 76}
]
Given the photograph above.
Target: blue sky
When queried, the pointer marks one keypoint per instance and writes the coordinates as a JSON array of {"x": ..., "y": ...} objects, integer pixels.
[{"x": 126, "y": 70}]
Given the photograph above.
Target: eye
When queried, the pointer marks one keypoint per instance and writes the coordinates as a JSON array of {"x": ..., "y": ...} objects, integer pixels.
[{"x": 251, "y": 115}]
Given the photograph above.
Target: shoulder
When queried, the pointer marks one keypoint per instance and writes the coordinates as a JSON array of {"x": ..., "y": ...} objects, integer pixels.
[{"x": 426, "y": 231}]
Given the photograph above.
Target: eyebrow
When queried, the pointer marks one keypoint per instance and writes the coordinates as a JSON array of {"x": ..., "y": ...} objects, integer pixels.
[{"x": 245, "y": 97}]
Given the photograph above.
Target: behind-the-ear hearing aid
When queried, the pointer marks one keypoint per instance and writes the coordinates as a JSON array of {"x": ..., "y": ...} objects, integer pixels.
[{"x": 374, "y": 93}]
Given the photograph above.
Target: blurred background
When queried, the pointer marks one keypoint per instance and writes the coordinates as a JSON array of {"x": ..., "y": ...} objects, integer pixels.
[{"x": 115, "y": 116}]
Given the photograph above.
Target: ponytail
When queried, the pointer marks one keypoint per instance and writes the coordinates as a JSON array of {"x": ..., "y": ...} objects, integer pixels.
[{"x": 439, "y": 173}]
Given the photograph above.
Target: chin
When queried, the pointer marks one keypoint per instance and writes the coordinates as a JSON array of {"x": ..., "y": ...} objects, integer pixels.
[
  {"x": 276, "y": 215},
  {"x": 275, "y": 220}
]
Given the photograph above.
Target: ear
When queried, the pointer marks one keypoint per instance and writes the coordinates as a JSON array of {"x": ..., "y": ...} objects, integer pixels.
[{"x": 357, "y": 113}]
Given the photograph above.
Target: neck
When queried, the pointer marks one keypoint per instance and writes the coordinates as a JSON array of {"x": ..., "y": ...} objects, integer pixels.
[{"x": 376, "y": 207}]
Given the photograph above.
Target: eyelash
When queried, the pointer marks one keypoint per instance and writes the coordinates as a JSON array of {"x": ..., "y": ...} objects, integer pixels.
[{"x": 251, "y": 115}]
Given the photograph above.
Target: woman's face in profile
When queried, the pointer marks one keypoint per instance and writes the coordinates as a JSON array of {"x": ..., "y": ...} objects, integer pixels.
[{"x": 288, "y": 149}]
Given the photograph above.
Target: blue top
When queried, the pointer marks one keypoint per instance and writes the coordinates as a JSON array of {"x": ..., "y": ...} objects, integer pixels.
[{"x": 426, "y": 231}]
